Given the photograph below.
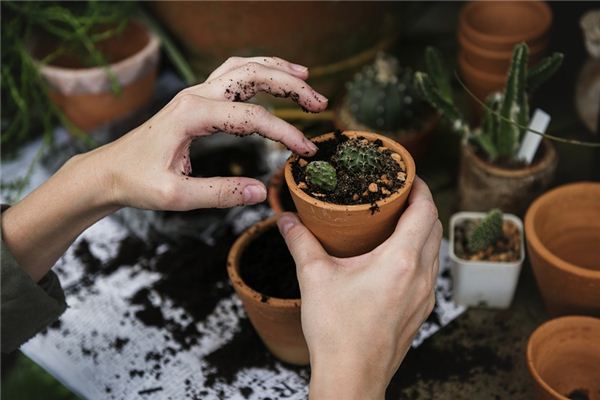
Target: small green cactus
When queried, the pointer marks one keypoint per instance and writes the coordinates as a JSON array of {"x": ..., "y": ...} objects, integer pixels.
[
  {"x": 383, "y": 96},
  {"x": 506, "y": 112},
  {"x": 486, "y": 232},
  {"x": 321, "y": 175},
  {"x": 357, "y": 156}
]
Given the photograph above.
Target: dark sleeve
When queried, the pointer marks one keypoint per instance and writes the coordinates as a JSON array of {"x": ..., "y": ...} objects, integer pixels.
[{"x": 27, "y": 307}]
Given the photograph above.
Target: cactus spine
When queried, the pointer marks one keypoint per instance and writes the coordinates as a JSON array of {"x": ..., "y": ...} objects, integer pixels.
[
  {"x": 321, "y": 175},
  {"x": 357, "y": 156},
  {"x": 486, "y": 232}
]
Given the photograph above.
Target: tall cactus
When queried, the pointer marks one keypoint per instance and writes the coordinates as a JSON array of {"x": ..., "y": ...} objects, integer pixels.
[{"x": 506, "y": 111}]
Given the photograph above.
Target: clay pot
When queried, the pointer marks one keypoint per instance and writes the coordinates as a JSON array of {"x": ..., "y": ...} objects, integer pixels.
[
  {"x": 350, "y": 230},
  {"x": 85, "y": 95},
  {"x": 563, "y": 237},
  {"x": 417, "y": 142},
  {"x": 277, "y": 321},
  {"x": 483, "y": 185},
  {"x": 563, "y": 357},
  {"x": 480, "y": 83},
  {"x": 499, "y": 25},
  {"x": 279, "y": 201}
]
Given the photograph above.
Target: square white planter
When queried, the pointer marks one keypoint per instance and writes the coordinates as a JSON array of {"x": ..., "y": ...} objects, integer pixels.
[{"x": 484, "y": 283}]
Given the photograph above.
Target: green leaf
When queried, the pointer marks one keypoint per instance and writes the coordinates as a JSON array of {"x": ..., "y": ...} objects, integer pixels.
[
  {"x": 543, "y": 71},
  {"x": 436, "y": 69}
]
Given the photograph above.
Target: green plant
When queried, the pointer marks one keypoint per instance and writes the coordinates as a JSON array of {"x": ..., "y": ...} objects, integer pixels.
[
  {"x": 383, "y": 96},
  {"x": 357, "y": 155},
  {"x": 321, "y": 175},
  {"x": 486, "y": 232},
  {"x": 506, "y": 112}
]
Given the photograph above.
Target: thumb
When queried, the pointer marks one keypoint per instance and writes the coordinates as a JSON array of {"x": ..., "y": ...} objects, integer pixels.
[
  {"x": 303, "y": 245},
  {"x": 219, "y": 192}
]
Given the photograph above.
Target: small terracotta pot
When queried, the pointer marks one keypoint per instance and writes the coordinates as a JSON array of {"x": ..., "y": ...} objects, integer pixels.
[
  {"x": 480, "y": 83},
  {"x": 350, "y": 230},
  {"x": 499, "y": 25},
  {"x": 483, "y": 185},
  {"x": 277, "y": 321},
  {"x": 84, "y": 94},
  {"x": 563, "y": 357},
  {"x": 274, "y": 192},
  {"x": 417, "y": 142},
  {"x": 563, "y": 239}
]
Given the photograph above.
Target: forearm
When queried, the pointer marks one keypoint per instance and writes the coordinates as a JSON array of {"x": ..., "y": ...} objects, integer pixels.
[{"x": 40, "y": 228}]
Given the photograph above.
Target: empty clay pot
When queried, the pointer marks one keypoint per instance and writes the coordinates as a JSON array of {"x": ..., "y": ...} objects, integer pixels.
[
  {"x": 350, "y": 230},
  {"x": 563, "y": 357},
  {"x": 483, "y": 185},
  {"x": 499, "y": 25},
  {"x": 277, "y": 321},
  {"x": 563, "y": 238},
  {"x": 85, "y": 95}
]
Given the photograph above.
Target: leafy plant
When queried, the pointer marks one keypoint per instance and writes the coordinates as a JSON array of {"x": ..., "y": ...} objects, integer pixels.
[
  {"x": 486, "y": 232},
  {"x": 506, "y": 112},
  {"x": 321, "y": 175},
  {"x": 383, "y": 96},
  {"x": 358, "y": 155}
]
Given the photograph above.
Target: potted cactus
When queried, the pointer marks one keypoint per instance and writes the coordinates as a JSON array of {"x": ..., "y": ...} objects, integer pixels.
[
  {"x": 491, "y": 174},
  {"x": 487, "y": 253},
  {"x": 351, "y": 193},
  {"x": 383, "y": 97}
]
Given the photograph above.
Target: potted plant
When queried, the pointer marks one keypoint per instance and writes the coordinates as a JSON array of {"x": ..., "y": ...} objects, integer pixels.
[
  {"x": 351, "y": 193},
  {"x": 491, "y": 174},
  {"x": 263, "y": 275},
  {"x": 383, "y": 98},
  {"x": 487, "y": 252}
]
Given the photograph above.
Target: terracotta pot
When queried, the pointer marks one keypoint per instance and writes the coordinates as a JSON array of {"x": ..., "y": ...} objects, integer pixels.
[
  {"x": 495, "y": 62},
  {"x": 480, "y": 83},
  {"x": 277, "y": 321},
  {"x": 350, "y": 230},
  {"x": 483, "y": 185},
  {"x": 85, "y": 95},
  {"x": 563, "y": 357},
  {"x": 563, "y": 237},
  {"x": 499, "y": 25},
  {"x": 279, "y": 201},
  {"x": 417, "y": 142}
]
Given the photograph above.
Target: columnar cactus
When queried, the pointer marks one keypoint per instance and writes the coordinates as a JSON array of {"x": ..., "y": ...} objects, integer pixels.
[
  {"x": 383, "y": 96},
  {"x": 321, "y": 175},
  {"x": 506, "y": 112},
  {"x": 486, "y": 232},
  {"x": 357, "y": 156}
]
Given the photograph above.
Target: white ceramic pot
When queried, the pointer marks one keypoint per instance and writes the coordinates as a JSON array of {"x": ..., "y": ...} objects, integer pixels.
[{"x": 484, "y": 283}]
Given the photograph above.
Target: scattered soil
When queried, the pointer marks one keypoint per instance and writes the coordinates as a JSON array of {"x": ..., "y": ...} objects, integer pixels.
[
  {"x": 267, "y": 266},
  {"x": 353, "y": 188},
  {"x": 506, "y": 249}
]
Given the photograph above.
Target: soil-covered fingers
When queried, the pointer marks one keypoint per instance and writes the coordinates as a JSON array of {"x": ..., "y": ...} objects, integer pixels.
[
  {"x": 244, "y": 82},
  {"x": 232, "y": 63}
]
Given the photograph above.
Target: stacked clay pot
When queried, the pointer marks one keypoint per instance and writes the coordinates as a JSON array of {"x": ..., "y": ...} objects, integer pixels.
[{"x": 487, "y": 33}]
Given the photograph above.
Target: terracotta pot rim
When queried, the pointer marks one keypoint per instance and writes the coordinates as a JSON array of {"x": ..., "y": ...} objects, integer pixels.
[
  {"x": 526, "y": 36},
  {"x": 534, "y": 241},
  {"x": 233, "y": 260},
  {"x": 549, "y": 325},
  {"x": 548, "y": 158},
  {"x": 391, "y": 144},
  {"x": 431, "y": 121},
  {"x": 468, "y": 68},
  {"x": 498, "y": 55}
]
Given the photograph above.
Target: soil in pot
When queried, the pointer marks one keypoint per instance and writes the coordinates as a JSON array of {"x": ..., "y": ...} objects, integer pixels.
[
  {"x": 353, "y": 187},
  {"x": 506, "y": 249},
  {"x": 267, "y": 266}
]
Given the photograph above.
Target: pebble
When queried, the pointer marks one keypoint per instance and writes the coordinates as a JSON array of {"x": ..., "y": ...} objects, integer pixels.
[
  {"x": 302, "y": 186},
  {"x": 302, "y": 162},
  {"x": 382, "y": 149},
  {"x": 402, "y": 165},
  {"x": 355, "y": 197},
  {"x": 396, "y": 157},
  {"x": 385, "y": 191},
  {"x": 373, "y": 188},
  {"x": 401, "y": 176}
]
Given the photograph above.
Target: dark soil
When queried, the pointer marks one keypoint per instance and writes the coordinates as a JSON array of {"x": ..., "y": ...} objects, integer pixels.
[
  {"x": 352, "y": 188},
  {"x": 267, "y": 266},
  {"x": 506, "y": 249},
  {"x": 579, "y": 394}
]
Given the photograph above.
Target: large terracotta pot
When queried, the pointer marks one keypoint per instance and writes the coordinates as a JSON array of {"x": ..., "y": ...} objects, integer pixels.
[
  {"x": 85, "y": 95},
  {"x": 483, "y": 185},
  {"x": 563, "y": 238},
  {"x": 277, "y": 321},
  {"x": 350, "y": 230},
  {"x": 333, "y": 39},
  {"x": 480, "y": 83},
  {"x": 278, "y": 194},
  {"x": 563, "y": 357}
]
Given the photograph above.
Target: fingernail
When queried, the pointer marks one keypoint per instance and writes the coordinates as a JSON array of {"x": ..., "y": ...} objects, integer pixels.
[
  {"x": 298, "y": 67},
  {"x": 286, "y": 222},
  {"x": 254, "y": 194},
  {"x": 321, "y": 98},
  {"x": 312, "y": 147}
]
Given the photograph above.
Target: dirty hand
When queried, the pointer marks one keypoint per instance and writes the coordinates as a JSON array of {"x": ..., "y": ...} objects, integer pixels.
[{"x": 360, "y": 314}]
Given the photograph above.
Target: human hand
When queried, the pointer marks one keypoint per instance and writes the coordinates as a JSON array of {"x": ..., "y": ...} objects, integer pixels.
[
  {"x": 149, "y": 167},
  {"x": 360, "y": 314}
]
